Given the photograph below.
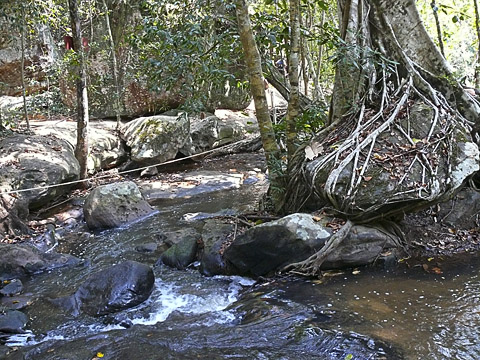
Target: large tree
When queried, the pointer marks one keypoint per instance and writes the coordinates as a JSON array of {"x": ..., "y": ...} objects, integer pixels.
[{"x": 400, "y": 135}]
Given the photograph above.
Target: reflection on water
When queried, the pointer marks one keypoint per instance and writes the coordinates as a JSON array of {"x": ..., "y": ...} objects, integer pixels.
[{"x": 427, "y": 316}]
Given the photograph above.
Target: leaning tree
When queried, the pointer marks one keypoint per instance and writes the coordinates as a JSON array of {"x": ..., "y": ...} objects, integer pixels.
[{"x": 400, "y": 127}]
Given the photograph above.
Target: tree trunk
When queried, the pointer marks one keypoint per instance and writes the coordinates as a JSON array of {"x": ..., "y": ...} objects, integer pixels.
[
  {"x": 257, "y": 87},
  {"x": 81, "y": 149},
  {"x": 393, "y": 89},
  {"x": 293, "y": 110},
  {"x": 439, "y": 27},
  {"x": 477, "y": 27},
  {"x": 114, "y": 64},
  {"x": 24, "y": 91}
]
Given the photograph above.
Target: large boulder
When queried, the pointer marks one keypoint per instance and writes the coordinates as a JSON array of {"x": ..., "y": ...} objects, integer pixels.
[
  {"x": 18, "y": 260},
  {"x": 106, "y": 149},
  {"x": 270, "y": 246},
  {"x": 40, "y": 52},
  {"x": 211, "y": 131},
  {"x": 156, "y": 139},
  {"x": 35, "y": 161},
  {"x": 116, "y": 204},
  {"x": 119, "y": 287},
  {"x": 407, "y": 170}
]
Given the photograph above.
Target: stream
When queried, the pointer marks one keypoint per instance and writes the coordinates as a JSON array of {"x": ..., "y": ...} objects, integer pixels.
[{"x": 367, "y": 313}]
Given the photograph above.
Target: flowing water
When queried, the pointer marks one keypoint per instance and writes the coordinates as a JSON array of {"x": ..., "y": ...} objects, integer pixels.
[{"x": 376, "y": 313}]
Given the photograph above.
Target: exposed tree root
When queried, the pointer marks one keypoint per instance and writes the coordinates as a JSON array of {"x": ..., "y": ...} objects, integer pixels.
[{"x": 312, "y": 265}]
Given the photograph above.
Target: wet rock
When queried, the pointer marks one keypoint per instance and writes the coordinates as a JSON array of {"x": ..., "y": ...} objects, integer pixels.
[
  {"x": 192, "y": 184},
  {"x": 270, "y": 246},
  {"x": 214, "y": 234},
  {"x": 13, "y": 321},
  {"x": 119, "y": 287},
  {"x": 116, "y": 204},
  {"x": 20, "y": 260},
  {"x": 14, "y": 287},
  {"x": 181, "y": 254},
  {"x": 32, "y": 161},
  {"x": 147, "y": 248},
  {"x": 156, "y": 139},
  {"x": 16, "y": 302},
  {"x": 363, "y": 246}
]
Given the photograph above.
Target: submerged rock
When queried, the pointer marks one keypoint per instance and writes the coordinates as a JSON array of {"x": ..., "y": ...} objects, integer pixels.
[
  {"x": 14, "y": 287},
  {"x": 20, "y": 260},
  {"x": 119, "y": 287},
  {"x": 116, "y": 204},
  {"x": 13, "y": 322}
]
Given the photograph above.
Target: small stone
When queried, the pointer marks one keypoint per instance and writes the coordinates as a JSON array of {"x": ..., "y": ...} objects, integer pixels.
[
  {"x": 13, "y": 322},
  {"x": 15, "y": 287},
  {"x": 150, "y": 171},
  {"x": 147, "y": 248}
]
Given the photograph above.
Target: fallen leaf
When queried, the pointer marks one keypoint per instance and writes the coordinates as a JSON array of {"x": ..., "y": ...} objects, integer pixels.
[
  {"x": 437, "y": 270},
  {"x": 367, "y": 178},
  {"x": 430, "y": 259},
  {"x": 425, "y": 267}
]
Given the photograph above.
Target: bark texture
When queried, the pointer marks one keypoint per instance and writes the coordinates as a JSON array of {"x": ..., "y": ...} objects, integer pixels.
[
  {"x": 257, "y": 87},
  {"x": 81, "y": 149}
]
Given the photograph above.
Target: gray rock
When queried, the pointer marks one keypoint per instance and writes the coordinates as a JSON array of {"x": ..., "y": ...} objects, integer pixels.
[
  {"x": 116, "y": 204},
  {"x": 147, "y": 248},
  {"x": 105, "y": 148},
  {"x": 15, "y": 302},
  {"x": 119, "y": 287},
  {"x": 362, "y": 246},
  {"x": 156, "y": 139},
  {"x": 14, "y": 287},
  {"x": 384, "y": 189},
  {"x": 33, "y": 161},
  {"x": 13, "y": 322},
  {"x": 214, "y": 234},
  {"x": 181, "y": 254},
  {"x": 270, "y": 246},
  {"x": 462, "y": 211},
  {"x": 20, "y": 260}
]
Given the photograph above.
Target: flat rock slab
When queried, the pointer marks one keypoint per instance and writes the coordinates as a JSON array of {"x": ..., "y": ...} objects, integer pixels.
[{"x": 190, "y": 185}]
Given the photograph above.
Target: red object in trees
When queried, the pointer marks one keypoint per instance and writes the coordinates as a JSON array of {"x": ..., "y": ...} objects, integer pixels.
[
  {"x": 68, "y": 40},
  {"x": 85, "y": 44}
]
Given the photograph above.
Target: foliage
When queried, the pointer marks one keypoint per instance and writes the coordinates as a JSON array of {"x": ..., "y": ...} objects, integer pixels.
[
  {"x": 189, "y": 47},
  {"x": 457, "y": 21}
]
